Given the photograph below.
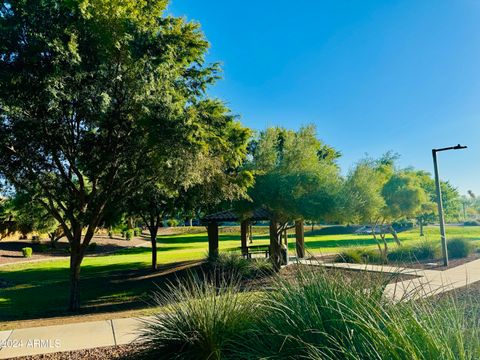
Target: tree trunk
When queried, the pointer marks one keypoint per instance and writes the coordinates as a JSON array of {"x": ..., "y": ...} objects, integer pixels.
[
  {"x": 75, "y": 262},
  {"x": 421, "y": 228},
  {"x": 275, "y": 246},
  {"x": 153, "y": 240},
  {"x": 394, "y": 234},
  {"x": 385, "y": 246},
  {"x": 299, "y": 239},
  {"x": 376, "y": 240}
]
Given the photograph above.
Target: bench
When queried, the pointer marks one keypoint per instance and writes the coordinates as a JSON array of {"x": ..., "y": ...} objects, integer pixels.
[{"x": 255, "y": 249}]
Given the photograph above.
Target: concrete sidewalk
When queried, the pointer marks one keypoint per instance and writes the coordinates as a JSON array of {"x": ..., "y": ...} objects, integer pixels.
[
  {"x": 427, "y": 282},
  {"x": 68, "y": 337}
]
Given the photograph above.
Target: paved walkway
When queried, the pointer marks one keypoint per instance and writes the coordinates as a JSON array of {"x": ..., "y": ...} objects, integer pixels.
[
  {"x": 78, "y": 336},
  {"x": 427, "y": 282},
  {"x": 69, "y": 337}
]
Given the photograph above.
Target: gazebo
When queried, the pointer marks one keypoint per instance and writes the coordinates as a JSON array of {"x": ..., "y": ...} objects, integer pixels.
[{"x": 261, "y": 214}]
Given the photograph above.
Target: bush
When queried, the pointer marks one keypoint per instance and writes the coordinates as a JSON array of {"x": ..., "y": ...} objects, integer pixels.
[
  {"x": 129, "y": 234},
  {"x": 35, "y": 239},
  {"x": 359, "y": 256},
  {"x": 110, "y": 234},
  {"x": 472, "y": 223},
  {"x": 136, "y": 232},
  {"x": 353, "y": 256},
  {"x": 459, "y": 248},
  {"x": 27, "y": 252},
  {"x": 199, "y": 321},
  {"x": 172, "y": 222},
  {"x": 232, "y": 265},
  {"x": 419, "y": 252},
  {"x": 92, "y": 246}
]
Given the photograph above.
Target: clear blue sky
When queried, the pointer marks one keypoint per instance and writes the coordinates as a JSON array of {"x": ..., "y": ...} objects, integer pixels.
[{"x": 372, "y": 75}]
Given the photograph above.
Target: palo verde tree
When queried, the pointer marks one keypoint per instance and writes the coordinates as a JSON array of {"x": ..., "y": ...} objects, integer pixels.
[
  {"x": 204, "y": 174},
  {"x": 378, "y": 194},
  {"x": 294, "y": 180},
  {"x": 87, "y": 90}
]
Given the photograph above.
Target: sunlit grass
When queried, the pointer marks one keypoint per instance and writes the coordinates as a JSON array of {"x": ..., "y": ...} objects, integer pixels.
[{"x": 46, "y": 282}]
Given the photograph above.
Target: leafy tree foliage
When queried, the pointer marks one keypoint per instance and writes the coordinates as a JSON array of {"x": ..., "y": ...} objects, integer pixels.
[
  {"x": 377, "y": 193},
  {"x": 293, "y": 180},
  {"x": 89, "y": 92}
]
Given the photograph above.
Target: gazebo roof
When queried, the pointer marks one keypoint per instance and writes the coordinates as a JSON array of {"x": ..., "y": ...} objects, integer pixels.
[{"x": 230, "y": 215}]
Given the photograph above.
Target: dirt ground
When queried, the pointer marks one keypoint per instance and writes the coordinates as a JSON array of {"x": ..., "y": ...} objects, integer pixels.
[
  {"x": 11, "y": 250},
  {"x": 438, "y": 263},
  {"x": 110, "y": 352}
]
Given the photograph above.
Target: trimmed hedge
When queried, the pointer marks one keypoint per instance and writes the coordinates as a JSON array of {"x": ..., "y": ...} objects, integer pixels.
[{"x": 27, "y": 252}]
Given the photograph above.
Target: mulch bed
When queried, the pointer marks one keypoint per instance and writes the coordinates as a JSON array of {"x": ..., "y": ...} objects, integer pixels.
[
  {"x": 111, "y": 352},
  {"x": 292, "y": 272},
  {"x": 437, "y": 264}
]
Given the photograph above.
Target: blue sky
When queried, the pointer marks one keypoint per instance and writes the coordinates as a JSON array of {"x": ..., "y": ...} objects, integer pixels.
[{"x": 372, "y": 75}]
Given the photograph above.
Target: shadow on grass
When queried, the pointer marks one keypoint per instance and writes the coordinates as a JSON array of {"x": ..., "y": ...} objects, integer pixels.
[{"x": 42, "y": 293}]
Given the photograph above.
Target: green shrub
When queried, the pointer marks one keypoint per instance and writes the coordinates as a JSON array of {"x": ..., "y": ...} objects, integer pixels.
[
  {"x": 172, "y": 222},
  {"x": 359, "y": 256},
  {"x": 129, "y": 234},
  {"x": 419, "y": 252},
  {"x": 35, "y": 239},
  {"x": 353, "y": 256},
  {"x": 136, "y": 232},
  {"x": 92, "y": 246},
  {"x": 110, "y": 234},
  {"x": 459, "y": 248},
  {"x": 27, "y": 252},
  {"x": 227, "y": 265},
  {"x": 199, "y": 321},
  {"x": 472, "y": 223}
]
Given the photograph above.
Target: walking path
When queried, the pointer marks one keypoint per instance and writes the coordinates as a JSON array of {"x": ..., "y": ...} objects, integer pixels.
[
  {"x": 427, "y": 282},
  {"x": 78, "y": 336}
]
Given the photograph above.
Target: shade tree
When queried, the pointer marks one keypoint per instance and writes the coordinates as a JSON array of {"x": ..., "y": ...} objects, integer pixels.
[
  {"x": 293, "y": 180},
  {"x": 198, "y": 177},
  {"x": 85, "y": 94},
  {"x": 376, "y": 193}
]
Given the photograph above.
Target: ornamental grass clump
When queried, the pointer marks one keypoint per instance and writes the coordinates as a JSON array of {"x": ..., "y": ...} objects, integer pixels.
[
  {"x": 326, "y": 316},
  {"x": 316, "y": 315},
  {"x": 200, "y": 320},
  {"x": 233, "y": 265}
]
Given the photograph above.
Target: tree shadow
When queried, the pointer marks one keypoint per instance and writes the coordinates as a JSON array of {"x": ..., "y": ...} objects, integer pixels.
[{"x": 43, "y": 293}]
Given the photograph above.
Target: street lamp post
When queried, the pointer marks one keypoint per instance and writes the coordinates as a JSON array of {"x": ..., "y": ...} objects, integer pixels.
[{"x": 439, "y": 200}]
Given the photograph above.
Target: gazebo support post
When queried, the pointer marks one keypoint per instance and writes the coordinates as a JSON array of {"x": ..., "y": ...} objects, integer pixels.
[
  {"x": 244, "y": 236},
  {"x": 212, "y": 230},
  {"x": 300, "y": 239}
]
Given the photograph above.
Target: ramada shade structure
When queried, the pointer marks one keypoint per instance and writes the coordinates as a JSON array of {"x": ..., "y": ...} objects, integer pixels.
[{"x": 260, "y": 214}]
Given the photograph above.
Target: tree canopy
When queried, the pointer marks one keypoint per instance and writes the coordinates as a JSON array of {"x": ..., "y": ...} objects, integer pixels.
[
  {"x": 293, "y": 178},
  {"x": 90, "y": 92}
]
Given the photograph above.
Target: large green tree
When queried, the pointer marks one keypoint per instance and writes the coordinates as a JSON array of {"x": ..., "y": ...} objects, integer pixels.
[
  {"x": 202, "y": 177},
  {"x": 89, "y": 91},
  {"x": 378, "y": 194},
  {"x": 294, "y": 180}
]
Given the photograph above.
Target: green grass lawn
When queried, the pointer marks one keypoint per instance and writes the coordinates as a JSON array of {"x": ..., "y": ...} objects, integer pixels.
[{"x": 122, "y": 281}]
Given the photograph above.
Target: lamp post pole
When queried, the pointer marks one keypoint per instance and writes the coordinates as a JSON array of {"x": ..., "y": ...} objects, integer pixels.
[{"x": 441, "y": 218}]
